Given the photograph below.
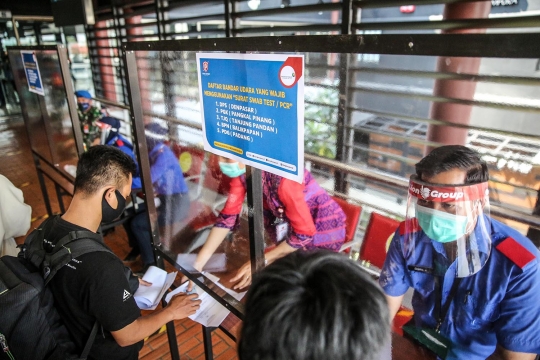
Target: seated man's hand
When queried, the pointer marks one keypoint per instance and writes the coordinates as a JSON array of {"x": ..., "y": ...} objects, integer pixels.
[
  {"x": 243, "y": 276},
  {"x": 183, "y": 305}
]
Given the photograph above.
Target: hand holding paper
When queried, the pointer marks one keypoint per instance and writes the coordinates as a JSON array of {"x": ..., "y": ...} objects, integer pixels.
[
  {"x": 148, "y": 297},
  {"x": 182, "y": 305},
  {"x": 211, "y": 313}
]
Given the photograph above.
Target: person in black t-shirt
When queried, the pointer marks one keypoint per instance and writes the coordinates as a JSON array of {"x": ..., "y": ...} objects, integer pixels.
[{"x": 93, "y": 286}]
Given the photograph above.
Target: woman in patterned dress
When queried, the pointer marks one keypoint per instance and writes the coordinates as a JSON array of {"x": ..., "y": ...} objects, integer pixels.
[{"x": 299, "y": 216}]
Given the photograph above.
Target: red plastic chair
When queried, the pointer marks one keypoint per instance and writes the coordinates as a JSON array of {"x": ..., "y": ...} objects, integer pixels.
[
  {"x": 352, "y": 212},
  {"x": 378, "y": 232}
]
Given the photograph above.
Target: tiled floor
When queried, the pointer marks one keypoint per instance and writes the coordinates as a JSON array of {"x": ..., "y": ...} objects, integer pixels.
[{"x": 17, "y": 165}]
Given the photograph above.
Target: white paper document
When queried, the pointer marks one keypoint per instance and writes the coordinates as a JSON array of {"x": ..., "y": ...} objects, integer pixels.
[
  {"x": 216, "y": 263},
  {"x": 237, "y": 295},
  {"x": 211, "y": 313},
  {"x": 148, "y": 297}
]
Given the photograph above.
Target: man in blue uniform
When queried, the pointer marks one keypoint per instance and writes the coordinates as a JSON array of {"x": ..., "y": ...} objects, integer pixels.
[
  {"x": 476, "y": 281},
  {"x": 170, "y": 192}
]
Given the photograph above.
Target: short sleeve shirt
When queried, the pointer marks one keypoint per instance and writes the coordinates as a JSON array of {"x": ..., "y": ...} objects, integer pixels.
[
  {"x": 94, "y": 287},
  {"x": 497, "y": 305}
]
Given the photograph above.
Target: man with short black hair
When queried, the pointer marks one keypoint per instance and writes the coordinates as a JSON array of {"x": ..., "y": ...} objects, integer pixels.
[
  {"x": 314, "y": 306},
  {"x": 93, "y": 287},
  {"x": 476, "y": 281}
]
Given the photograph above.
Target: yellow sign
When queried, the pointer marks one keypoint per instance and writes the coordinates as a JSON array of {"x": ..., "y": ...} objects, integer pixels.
[{"x": 228, "y": 147}]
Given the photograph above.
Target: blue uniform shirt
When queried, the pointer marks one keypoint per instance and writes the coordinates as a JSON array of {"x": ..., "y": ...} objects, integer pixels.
[
  {"x": 165, "y": 171},
  {"x": 500, "y": 304},
  {"x": 124, "y": 144}
]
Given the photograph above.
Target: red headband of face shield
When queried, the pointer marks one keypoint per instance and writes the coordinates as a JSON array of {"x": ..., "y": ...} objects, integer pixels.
[{"x": 447, "y": 193}]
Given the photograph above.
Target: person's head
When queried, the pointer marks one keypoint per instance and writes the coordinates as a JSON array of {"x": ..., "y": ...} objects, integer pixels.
[
  {"x": 314, "y": 306},
  {"x": 110, "y": 126},
  {"x": 449, "y": 194},
  {"x": 455, "y": 165},
  {"x": 105, "y": 171},
  {"x": 452, "y": 165},
  {"x": 84, "y": 99},
  {"x": 231, "y": 167},
  {"x": 155, "y": 134}
]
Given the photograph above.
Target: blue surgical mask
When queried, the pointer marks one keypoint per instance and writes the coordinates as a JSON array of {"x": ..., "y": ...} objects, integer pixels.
[
  {"x": 84, "y": 106},
  {"x": 231, "y": 169},
  {"x": 441, "y": 226}
]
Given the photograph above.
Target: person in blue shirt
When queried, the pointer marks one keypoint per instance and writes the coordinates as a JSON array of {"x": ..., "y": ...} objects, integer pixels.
[
  {"x": 476, "y": 281},
  {"x": 110, "y": 129},
  {"x": 170, "y": 192}
]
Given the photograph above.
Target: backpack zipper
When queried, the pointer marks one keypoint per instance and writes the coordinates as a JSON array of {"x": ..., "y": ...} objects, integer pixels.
[{"x": 5, "y": 347}]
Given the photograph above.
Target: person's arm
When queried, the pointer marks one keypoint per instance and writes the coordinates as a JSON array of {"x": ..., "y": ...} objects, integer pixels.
[
  {"x": 225, "y": 223},
  {"x": 158, "y": 165},
  {"x": 278, "y": 252},
  {"x": 291, "y": 195},
  {"x": 517, "y": 324},
  {"x": 180, "y": 307},
  {"x": 243, "y": 275},
  {"x": 215, "y": 238},
  {"x": 503, "y": 354},
  {"x": 394, "y": 303},
  {"x": 394, "y": 279}
]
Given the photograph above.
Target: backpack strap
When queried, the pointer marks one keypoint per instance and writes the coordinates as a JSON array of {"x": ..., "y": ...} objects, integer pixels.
[
  {"x": 89, "y": 342},
  {"x": 70, "y": 247}
]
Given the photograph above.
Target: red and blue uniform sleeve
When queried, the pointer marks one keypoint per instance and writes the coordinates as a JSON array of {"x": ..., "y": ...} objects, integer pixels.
[
  {"x": 395, "y": 279},
  {"x": 228, "y": 218},
  {"x": 291, "y": 195},
  {"x": 518, "y": 326}
]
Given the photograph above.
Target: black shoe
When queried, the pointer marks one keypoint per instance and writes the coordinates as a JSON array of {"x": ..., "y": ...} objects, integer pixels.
[{"x": 132, "y": 256}]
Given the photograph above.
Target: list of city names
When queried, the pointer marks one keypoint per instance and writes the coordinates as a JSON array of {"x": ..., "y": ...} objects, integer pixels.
[{"x": 241, "y": 120}]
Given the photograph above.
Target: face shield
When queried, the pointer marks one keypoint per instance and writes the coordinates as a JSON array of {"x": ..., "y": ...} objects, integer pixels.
[{"x": 447, "y": 227}]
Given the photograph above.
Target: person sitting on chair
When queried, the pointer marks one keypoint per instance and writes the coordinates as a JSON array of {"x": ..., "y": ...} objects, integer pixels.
[
  {"x": 299, "y": 216},
  {"x": 476, "y": 281},
  {"x": 170, "y": 190}
]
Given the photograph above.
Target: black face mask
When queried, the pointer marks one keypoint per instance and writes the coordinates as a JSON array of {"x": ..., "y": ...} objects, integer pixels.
[{"x": 108, "y": 214}]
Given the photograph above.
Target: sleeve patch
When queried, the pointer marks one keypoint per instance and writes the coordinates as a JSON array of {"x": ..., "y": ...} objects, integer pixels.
[{"x": 515, "y": 252}]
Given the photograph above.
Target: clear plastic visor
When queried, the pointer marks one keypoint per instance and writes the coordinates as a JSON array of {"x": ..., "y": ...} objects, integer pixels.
[{"x": 447, "y": 227}]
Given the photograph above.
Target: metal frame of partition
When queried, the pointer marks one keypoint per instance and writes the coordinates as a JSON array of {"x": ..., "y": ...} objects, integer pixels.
[
  {"x": 237, "y": 20},
  {"x": 62, "y": 182},
  {"x": 455, "y": 45}
]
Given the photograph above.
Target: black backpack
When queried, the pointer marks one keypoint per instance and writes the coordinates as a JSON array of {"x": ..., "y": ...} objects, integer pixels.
[{"x": 30, "y": 326}]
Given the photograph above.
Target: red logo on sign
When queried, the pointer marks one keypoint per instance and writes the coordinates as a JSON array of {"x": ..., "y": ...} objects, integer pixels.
[{"x": 205, "y": 66}]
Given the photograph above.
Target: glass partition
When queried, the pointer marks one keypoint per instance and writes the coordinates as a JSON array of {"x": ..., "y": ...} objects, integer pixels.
[
  {"x": 369, "y": 116},
  {"x": 47, "y": 118}
]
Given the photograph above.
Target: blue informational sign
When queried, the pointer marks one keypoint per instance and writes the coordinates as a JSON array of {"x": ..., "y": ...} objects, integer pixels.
[
  {"x": 253, "y": 110},
  {"x": 33, "y": 77}
]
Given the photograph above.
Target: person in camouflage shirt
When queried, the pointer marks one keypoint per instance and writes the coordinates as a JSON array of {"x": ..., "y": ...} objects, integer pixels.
[{"x": 88, "y": 117}]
